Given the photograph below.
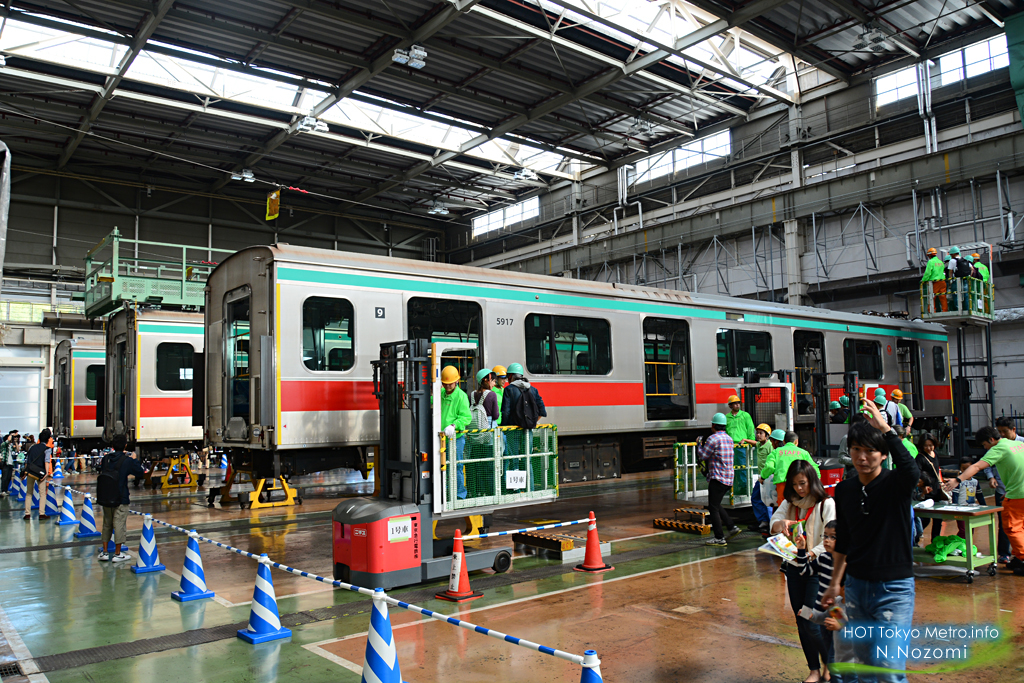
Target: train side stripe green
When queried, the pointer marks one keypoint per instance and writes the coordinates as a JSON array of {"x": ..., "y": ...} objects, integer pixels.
[
  {"x": 462, "y": 290},
  {"x": 89, "y": 354},
  {"x": 153, "y": 328}
]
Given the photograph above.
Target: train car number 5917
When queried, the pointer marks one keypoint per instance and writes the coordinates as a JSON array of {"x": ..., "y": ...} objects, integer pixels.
[{"x": 504, "y": 321}]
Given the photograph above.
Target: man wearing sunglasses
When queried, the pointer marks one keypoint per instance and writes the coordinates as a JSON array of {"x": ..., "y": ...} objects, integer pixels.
[{"x": 873, "y": 544}]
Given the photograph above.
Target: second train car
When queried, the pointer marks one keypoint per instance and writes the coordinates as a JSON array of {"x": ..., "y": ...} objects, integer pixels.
[{"x": 291, "y": 333}]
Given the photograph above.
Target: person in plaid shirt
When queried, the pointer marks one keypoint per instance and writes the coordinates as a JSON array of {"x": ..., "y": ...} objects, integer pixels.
[{"x": 717, "y": 451}]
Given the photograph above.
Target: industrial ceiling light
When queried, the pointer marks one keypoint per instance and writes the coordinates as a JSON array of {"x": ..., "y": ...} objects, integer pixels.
[
  {"x": 641, "y": 126},
  {"x": 438, "y": 208},
  {"x": 245, "y": 174},
  {"x": 872, "y": 39},
  {"x": 417, "y": 57},
  {"x": 310, "y": 124},
  {"x": 400, "y": 56},
  {"x": 525, "y": 174},
  {"x": 3, "y": 60}
]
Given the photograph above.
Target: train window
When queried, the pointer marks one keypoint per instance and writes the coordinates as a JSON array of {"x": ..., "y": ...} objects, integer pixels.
[
  {"x": 864, "y": 357},
  {"x": 174, "y": 366},
  {"x": 939, "y": 363},
  {"x": 447, "y": 320},
  {"x": 741, "y": 351},
  {"x": 93, "y": 379},
  {"x": 236, "y": 340},
  {"x": 667, "y": 369},
  {"x": 327, "y": 334},
  {"x": 583, "y": 346}
]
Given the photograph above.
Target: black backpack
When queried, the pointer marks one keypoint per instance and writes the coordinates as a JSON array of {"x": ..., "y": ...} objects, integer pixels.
[
  {"x": 108, "y": 484},
  {"x": 525, "y": 412}
]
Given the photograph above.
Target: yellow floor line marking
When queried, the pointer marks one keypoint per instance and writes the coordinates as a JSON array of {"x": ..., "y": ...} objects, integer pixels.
[{"x": 20, "y": 650}]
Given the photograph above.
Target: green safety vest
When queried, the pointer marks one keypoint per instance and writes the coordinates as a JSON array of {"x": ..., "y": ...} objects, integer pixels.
[{"x": 934, "y": 271}]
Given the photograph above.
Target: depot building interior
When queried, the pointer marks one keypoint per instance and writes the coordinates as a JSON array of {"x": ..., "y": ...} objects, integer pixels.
[{"x": 250, "y": 237}]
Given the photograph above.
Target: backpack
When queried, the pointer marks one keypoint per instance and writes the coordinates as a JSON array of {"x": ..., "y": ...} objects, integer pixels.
[
  {"x": 108, "y": 484},
  {"x": 479, "y": 419},
  {"x": 525, "y": 412}
]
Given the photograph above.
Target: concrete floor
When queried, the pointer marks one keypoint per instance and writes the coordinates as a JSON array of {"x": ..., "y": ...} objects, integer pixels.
[{"x": 671, "y": 610}]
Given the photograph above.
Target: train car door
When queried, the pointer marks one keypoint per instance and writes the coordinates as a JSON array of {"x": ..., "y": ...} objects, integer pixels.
[
  {"x": 667, "y": 372},
  {"x": 123, "y": 409},
  {"x": 908, "y": 365},
  {"x": 809, "y": 356},
  {"x": 450, "y": 321},
  {"x": 237, "y": 332},
  {"x": 62, "y": 419}
]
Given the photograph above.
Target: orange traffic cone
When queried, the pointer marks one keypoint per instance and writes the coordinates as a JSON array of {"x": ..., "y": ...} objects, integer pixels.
[
  {"x": 458, "y": 584},
  {"x": 592, "y": 560}
]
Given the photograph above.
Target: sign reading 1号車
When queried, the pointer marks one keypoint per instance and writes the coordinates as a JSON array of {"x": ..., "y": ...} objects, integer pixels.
[
  {"x": 399, "y": 529},
  {"x": 515, "y": 479}
]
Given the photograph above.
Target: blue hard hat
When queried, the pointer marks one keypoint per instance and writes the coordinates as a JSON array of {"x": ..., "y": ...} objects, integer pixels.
[
  {"x": 844, "y": 400},
  {"x": 515, "y": 369},
  {"x": 778, "y": 435},
  {"x": 719, "y": 419},
  {"x": 954, "y": 251},
  {"x": 880, "y": 392},
  {"x": 880, "y": 400},
  {"x": 482, "y": 375}
]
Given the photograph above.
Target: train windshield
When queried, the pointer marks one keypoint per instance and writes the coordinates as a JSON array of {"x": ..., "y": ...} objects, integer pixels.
[{"x": 237, "y": 358}]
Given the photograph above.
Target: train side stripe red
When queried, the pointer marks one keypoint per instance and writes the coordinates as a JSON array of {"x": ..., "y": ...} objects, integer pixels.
[
  {"x": 325, "y": 395},
  {"x": 583, "y": 394},
  {"x": 938, "y": 392},
  {"x": 165, "y": 406},
  {"x": 86, "y": 412}
]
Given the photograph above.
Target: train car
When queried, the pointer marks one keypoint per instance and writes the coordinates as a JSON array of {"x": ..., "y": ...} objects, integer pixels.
[
  {"x": 79, "y": 366},
  {"x": 291, "y": 333},
  {"x": 149, "y": 357}
]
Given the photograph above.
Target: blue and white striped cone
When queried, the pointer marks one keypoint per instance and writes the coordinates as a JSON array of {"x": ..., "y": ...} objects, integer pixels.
[
  {"x": 67, "y": 510},
  {"x": 58, "y": 471},
  {"x": 35, "y": 496},
  {"x": 149, "y": 558},
  {"x": 381, "y": 664},
  {"x": 264, "y": 619},
  {"x": 591, "y": 668},
  {"x": 224, "y": 461},
  {"x": 87, "y": 525},
  {"x": 51, "y": 508},
  {"x": 19, "y": 488},
  {"x": 193, "y": 580}
]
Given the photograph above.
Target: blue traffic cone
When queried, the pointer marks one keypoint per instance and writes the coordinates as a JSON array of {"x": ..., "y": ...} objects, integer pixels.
[
  {"x": 591, "y": 668},
  {"x": 381, "y": 662},
  {"x": 87, "y": 525},
  {"x": 224, "y": 461},
  {"x": 149, "y": 558},
  {"x": 58, "y": 471},
  {"x": 193, "y": 580},
  {"x": 264, "y": 619},
  {"x": 51, "y": 509},
  {"x": 67, "y": 510},
  {"x": 35, "y": 496},
  {"x": 19, "y": 488}
]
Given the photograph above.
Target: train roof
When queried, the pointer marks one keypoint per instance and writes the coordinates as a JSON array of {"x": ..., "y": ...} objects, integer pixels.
[
  {"x": 311, "y": 256},
  {"x": 156, "y": 314}
]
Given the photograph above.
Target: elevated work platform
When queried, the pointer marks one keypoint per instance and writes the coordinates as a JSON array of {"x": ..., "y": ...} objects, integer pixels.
[
  {"x": 119, "y": 269},
  {"x": 962, "y": 301}
]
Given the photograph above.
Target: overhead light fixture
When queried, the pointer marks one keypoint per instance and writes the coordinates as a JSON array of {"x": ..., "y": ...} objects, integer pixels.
[
  {"x": 310, "y": 124},
  {"x": 438, "y": 208},
  {"x": 416, "y": 56},
  {"x": 525, "y": 174},
  {"x": 641, "y": 126},
  {"x": 3, "y": 60},
  {"x": 245, "y": 174},
  {"x": 873, "y": 39}
]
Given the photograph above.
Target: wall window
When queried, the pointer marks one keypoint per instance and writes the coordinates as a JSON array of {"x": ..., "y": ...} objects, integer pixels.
[
  {"x": 864, "y": 357},
  {"x": 698, "y": 152},
  {"x": 561, "y": 345},
  {"x": 507, "y": 216},
  {"x": 896, "y": 86},
  {"x": 327, "y": 337},
  {"x": 973, "y": 60},
  {"x": 93, "y": 379},
  {"x": 939, "y": 363},
  {"x": 742, "y": 351},
  {"x": 174, "y": 366}
]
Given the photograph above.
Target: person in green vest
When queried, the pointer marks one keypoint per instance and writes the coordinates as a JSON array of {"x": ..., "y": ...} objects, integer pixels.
[
  {"x": 844, "y": 403},
  {"x": 906, "y": 417},
  {"x": 762, "y": 515},
  {"x": 980, "y": 267},
  {"x": 782, "y": 457},
  {"x": 738, "y": 424},
  {"x": 935, "y": 273},
  {"x": 455, "y": 416}
]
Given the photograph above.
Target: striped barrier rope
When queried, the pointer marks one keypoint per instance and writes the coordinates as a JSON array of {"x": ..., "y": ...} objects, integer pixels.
[
  {"x": 519, "y": 531},
  {"x": 530, "y": 645}
]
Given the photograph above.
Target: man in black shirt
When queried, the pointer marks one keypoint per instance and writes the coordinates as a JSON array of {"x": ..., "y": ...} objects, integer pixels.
[
  {"x": 115, "y": 517},
  {"x": 873, "y": 545}
]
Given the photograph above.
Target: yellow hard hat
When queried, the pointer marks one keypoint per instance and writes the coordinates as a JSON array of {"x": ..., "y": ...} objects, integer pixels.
[
  {"x": 975, "y": 256},
  {"x": 764, "y": 428},
  {"x": 932, "y": 251},
  {"x": 499, "y": 370},
  {"x": 896, "y": 393},
  {"x": 449, "y": 374},
  {"x": 733, "y": 399}
]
